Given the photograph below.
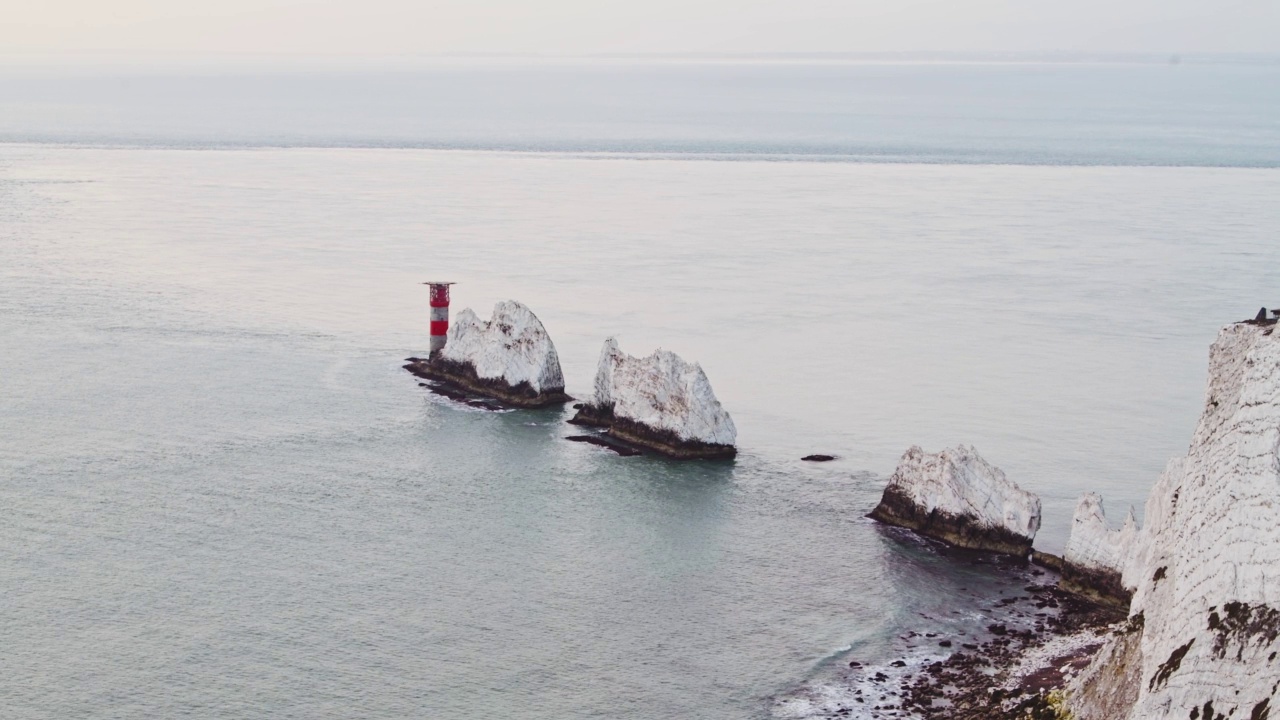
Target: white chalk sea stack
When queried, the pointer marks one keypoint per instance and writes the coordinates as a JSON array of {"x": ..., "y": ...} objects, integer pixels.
[
  {"x": 509, "y": 357},
  {"x": 512, "y": 346},
  {"x": 958, "y": 497},
  {"x": 1204, "y": 639},
  {"x": 1095, "y": 556},
  {"x": 659, "y": 402}
]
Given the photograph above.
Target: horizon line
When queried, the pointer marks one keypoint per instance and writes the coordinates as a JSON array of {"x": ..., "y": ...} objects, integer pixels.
[{"x": 71, "y": 57}]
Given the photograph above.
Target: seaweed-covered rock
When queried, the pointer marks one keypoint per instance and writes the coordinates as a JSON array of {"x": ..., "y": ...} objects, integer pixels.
[
  {"x": 959, "y": 498},
  {"x": 1094, "y": 560},
  {"x": 509, "y": 358},
  {"x": 659, "y": 402}
]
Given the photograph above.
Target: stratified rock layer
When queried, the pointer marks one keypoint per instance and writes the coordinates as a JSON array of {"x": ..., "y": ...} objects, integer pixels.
[
  {"x": 1206, "y": 563},
  {"x": 659, "y": 402},
  {"x": 509, "y": 358},
  {"x": 1093, "y": 563},
  {"x": 958, "y": 497}
]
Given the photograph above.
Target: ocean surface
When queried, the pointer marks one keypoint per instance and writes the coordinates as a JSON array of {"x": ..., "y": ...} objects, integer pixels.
[{"x": 221, "y": 496}]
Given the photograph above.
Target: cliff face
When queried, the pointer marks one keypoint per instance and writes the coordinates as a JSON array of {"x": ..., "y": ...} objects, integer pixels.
[
  {"x": 660, "y": 402},
  {"x": 958, "y": 497},
  {"x": 1206, "y": 564},
  {"x": 510, "y": 357},
  {"x": 1094, "y": 560}
]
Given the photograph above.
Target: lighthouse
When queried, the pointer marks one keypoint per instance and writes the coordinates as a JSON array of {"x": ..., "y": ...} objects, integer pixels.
[{"x": 439, "y": 314}]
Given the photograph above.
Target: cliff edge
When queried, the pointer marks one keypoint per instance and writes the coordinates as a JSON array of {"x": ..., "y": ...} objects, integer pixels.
[{"x": 1205, "y": 617}]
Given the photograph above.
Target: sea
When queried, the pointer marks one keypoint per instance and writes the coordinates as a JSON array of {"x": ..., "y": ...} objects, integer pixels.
[{"x": 221, "y": 496}]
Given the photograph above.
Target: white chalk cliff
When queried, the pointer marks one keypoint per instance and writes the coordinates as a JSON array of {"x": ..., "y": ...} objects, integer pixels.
[
  {"x": 663, "y": 393},
  {"x": 512, "y": 346},
  {"x": 1206, "y": 564},
  {"x": 958, "y": 484},
  {"x": 1095, "y": 546}
]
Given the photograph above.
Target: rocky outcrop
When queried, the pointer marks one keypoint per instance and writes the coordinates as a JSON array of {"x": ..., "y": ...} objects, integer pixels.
[
  {"x": 660, "y": 403},
  {"x": 1205, "y": 564},
  {"x": 509, "y": 358},
  {"x": 1109, "y": 685},
  {"x": 1093, "y": 563},
  {"x": 957, "y": 497}
]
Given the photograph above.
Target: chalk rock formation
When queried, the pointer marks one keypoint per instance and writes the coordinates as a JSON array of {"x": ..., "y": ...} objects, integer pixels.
[
  {"x": 510, "y": 358},
  {"x": 1206, "y": 609},
  {"x": 1093, "y": 563},
  {"x": 659, "y": 402},
  {"x": 958, "y": 497}
]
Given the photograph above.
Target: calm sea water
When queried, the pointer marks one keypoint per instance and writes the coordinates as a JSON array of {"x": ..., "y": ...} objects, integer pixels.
[
  {"x": 220, "y": 496},
  {"x": 1220, "y": 114}
]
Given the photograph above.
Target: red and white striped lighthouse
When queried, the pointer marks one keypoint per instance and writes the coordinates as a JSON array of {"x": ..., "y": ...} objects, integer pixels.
[{"x": 439, "y": 314}]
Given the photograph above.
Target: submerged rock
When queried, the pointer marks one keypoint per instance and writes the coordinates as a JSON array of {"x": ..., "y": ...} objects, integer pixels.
[
  {"x": 509, "y": 358},
  {"x": 1094, "y": 560},
  {"x": 1206, "y": 606},
  {"x": 659, "y": 402},
  {"x": 957, "y": 497}
]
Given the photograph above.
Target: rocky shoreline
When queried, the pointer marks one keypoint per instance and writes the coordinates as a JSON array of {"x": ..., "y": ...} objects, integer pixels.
[
  {"x": 1038, "y": 641},
  {"x": 1017, "y": 673},
  {"x": 1034, "y": 639},
  {"x": 1176, "y": 619}
]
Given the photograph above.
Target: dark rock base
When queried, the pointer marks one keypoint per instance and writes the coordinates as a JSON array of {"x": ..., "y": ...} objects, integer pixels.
[
  {"x": 592, "y": 416},
  {"x": 461, "y": 396},
  {"x": 1101, "y": 585},
  {"x": 605, "y": 441},
  {"x": 896, "y": 508},
  {"x": 1049, "y": 560},
  {"x": 663, "y": 442},
  {"x": 462, "y": 378}
]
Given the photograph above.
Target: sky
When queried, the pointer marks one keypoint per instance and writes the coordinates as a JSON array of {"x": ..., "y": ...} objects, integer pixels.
[{"x": 585, "y": 27}]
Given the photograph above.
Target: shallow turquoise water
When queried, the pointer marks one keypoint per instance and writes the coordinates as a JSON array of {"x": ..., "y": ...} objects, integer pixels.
[{"x": 223, "y": 497}]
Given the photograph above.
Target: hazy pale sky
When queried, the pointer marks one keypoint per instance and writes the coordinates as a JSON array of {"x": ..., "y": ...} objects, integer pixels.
[{"x": 638, "y": 26}]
